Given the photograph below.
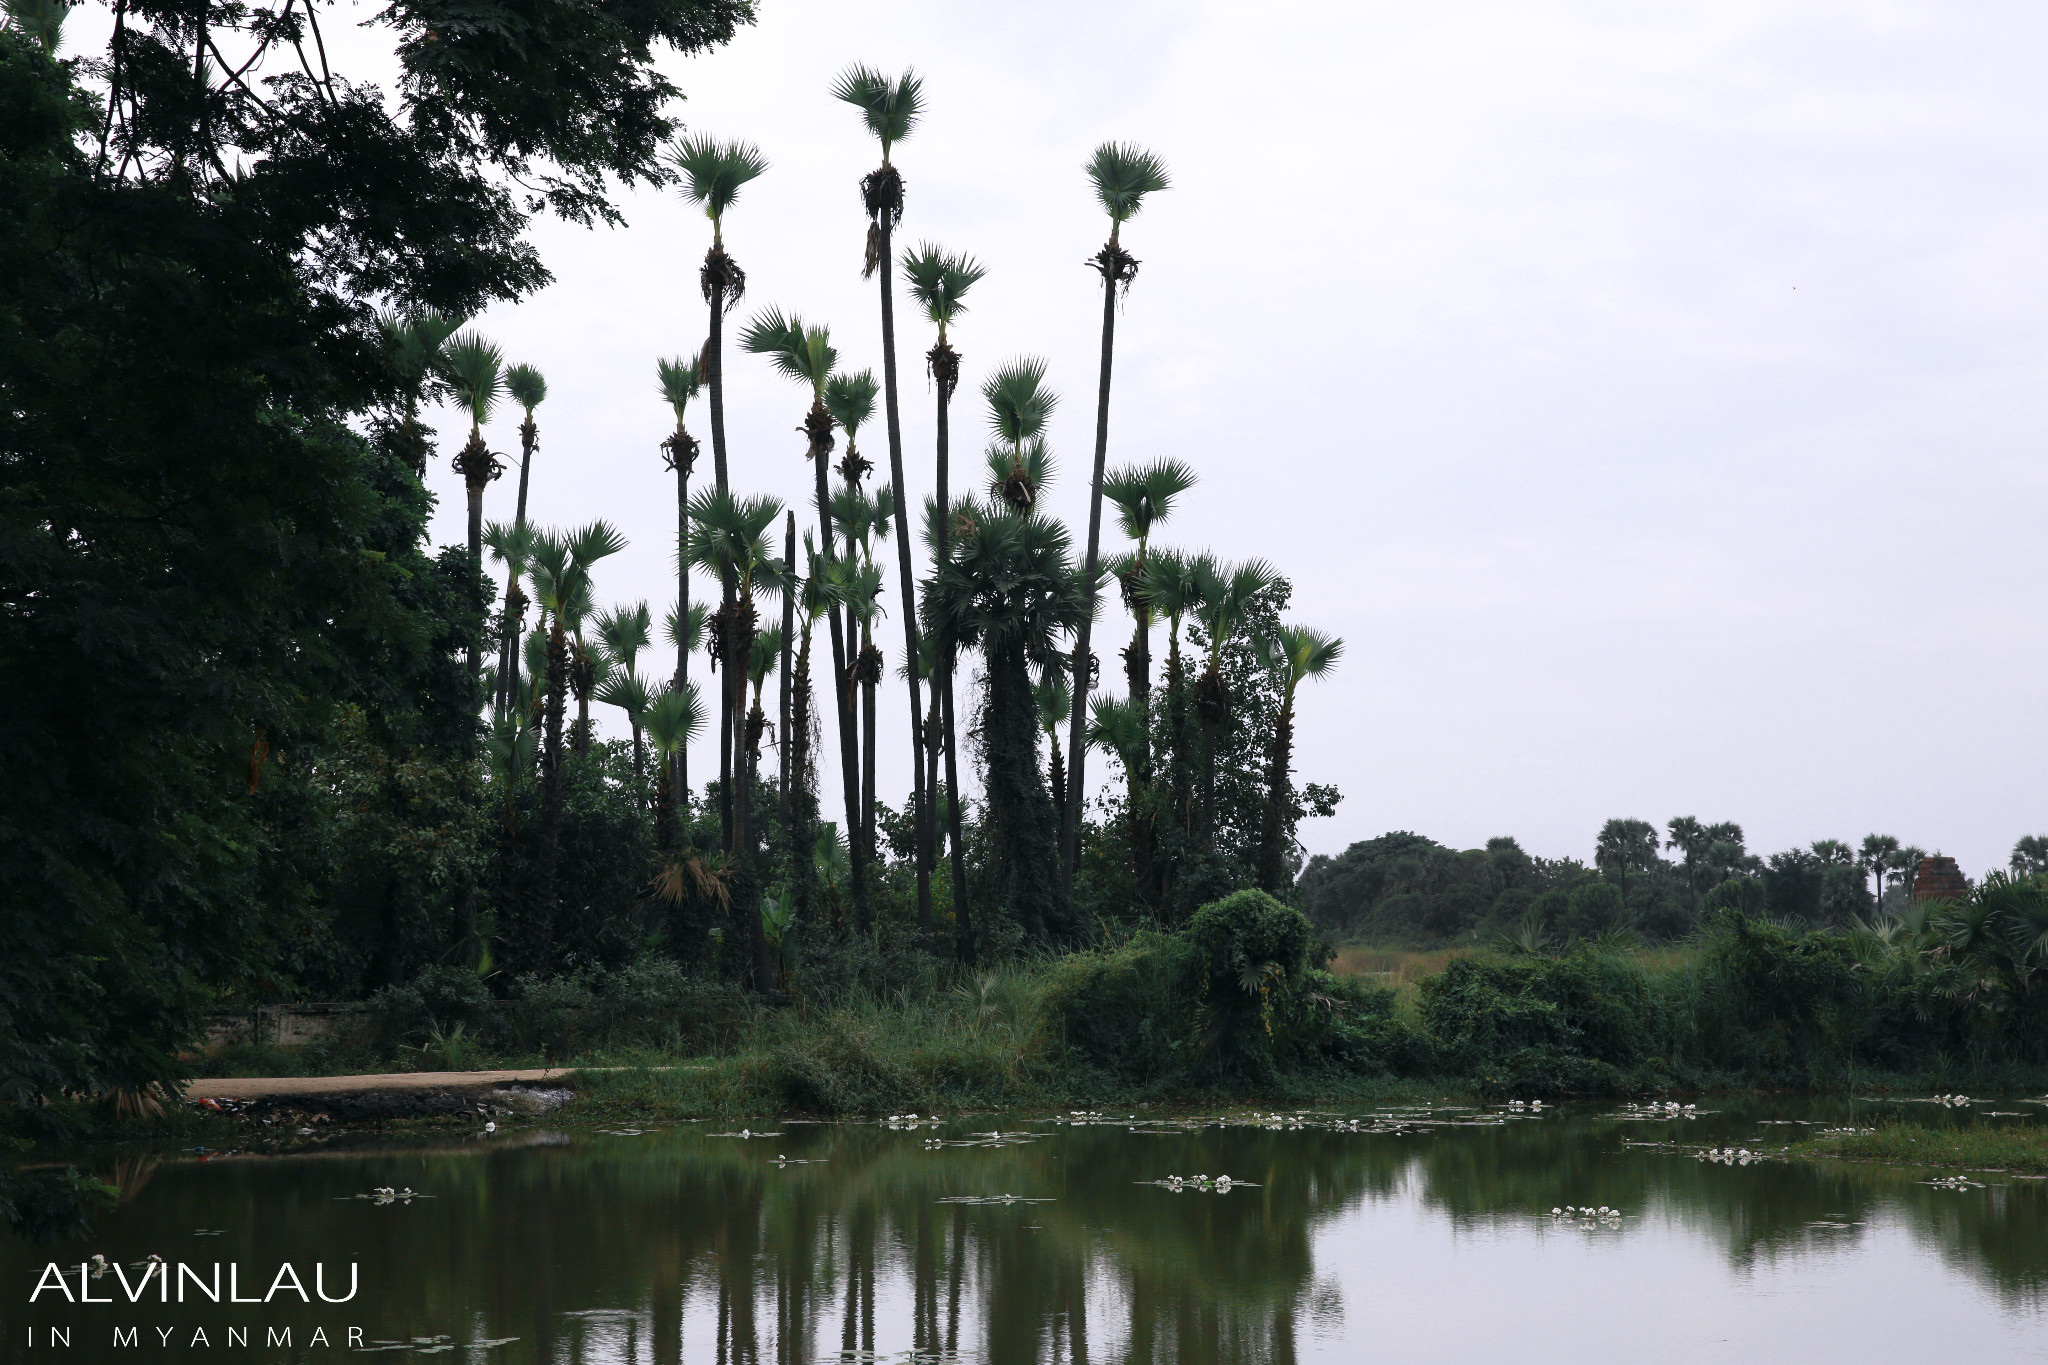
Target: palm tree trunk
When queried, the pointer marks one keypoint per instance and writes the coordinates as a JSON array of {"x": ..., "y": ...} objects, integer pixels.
[
  {"x": 685, "y": 456},
  {"x": 782, "y": 731},
  {"x": 1070, "y": 823},
  {"x": 536, "y": 943},
  {"x": 476, "y": 562},
  {"x": 920, "y": 797},
  {"x": 1057, "y": 771},
  {"x": 1273, "y": 841},
  {"x": 819, "y": 427},
  {"x": 945, "y": 369},
  {"x": 508, "y": 645},
  {"x": 1020, "y": 813},
  {"x": 718, "y": 270},
  {"x": 870, "y": 669},
  {"x": 802, "y": 803}
]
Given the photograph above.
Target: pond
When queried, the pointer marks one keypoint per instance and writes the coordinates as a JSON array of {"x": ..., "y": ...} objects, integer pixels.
[{"x": 1397, "y": 1233}]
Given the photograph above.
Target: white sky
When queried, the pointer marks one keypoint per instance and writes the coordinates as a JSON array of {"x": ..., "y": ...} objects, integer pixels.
[{"x": 1650, "y": 396}]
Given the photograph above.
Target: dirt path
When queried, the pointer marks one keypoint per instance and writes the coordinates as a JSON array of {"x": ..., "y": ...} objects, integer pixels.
[{"x": 272, "y": 1087}]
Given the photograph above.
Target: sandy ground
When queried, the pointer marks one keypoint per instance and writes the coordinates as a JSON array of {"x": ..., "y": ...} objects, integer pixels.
[{"x": 269, "y": 1086}]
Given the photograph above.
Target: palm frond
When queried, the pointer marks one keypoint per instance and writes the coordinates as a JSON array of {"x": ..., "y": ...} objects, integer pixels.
[
  {"x": 679, "y": 381},
  {"x": 1300, "y": 652},
  {"x": 624, "y": 632},
  {"x": 510, "y": 545},
  {"x": 1018, "y": 401},
  {"x": 627, "y": 691},
  {"x": 939, "y": 281},
  {"x": 475, "y": 372},
  {"x": 850, "y": 398},
  {"x": 890, "y": 108},
  {"x": 1054, "y": 698},
  {"x": 764, "y": 655},
  {"x": 528, "y": 389},
  {"x": 598, "y": 540},
  {"x": 1117, "y": 724},
  {"x": 40, "y": 20},
  {"x": 1144, "y": 494},
  {"x": 797, "y": 352},
  {"x": 673, "y": 719},
  {"x": 713, "y": 171},
  {"x": 671, "y": 627},
  {"x": 1124, "y": 174},
  {"x": 1019, "y": 476}
]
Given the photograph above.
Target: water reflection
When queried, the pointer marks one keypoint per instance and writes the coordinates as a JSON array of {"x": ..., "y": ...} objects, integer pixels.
[{"x": 679, "y": 1245}]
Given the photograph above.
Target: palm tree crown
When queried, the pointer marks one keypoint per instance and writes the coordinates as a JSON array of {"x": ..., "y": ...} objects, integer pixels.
[
  {"x": 1226, "y": 597},
  {"x": 673, "y": 719},
  {"x": 1018, "y": 401},
  {"x": 713, "y": 172},
  {"x": 1124, "y": 174},
  {"x": 526, "y": 387},
  {"x": 850, "y": 398},
  {"x": 798, "y": 352},
  {"x": 1144, "y": 494},
  {"x": 1301, "y": 652},
  {"x": 890, "y": 108},
  {"x": 939, "y": 281},
  {"x": 474, "y": 370},
  {"x": 680, "y": 381}
]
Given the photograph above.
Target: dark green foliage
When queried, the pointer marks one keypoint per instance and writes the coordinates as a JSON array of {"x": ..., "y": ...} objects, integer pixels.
[
  {"x": 1402, "y": 887},
  {"x": 52, "y": 1206},
  {"x": 1127, "y": 1010},
  {"x": 1251, "y": 954},
  {"x": 1541, "y": 1026}
]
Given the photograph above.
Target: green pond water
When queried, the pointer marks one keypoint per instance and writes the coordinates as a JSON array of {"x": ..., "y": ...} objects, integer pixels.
[{"x": 1384, "y": 1234}]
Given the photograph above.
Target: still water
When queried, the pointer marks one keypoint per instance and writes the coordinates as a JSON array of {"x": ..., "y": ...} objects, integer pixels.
[{"x": 1382, "y": 1234}]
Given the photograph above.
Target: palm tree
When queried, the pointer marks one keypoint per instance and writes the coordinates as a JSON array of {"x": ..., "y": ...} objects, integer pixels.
[
  {"x": 673, "y": 719},
  {"x": 1144, "y": 496},
  {"x": 890, "y": 109},
  {"x": 41, "y": 20},
  {"x": 939, "y": 282},
  {"x": 806, "y": 354},
  {"x": 1117, "y": 725},
  {"x": 1010, "y": 591},
  {"x": 511, "y": 546},
  {"x": 783, "y": 678},
  {"x": 528, "y": 389},
  {"x": 1018, "y": 406},
  {"x": 713, "y": 173},
  {"x": 815, "y": 599},
  {"x": 623, "y": 632},
  {"x": 413, "y": 346},
  {"x": 680, "y": 380},
  {"x": 1224, "y": 610},
  {"x": 1123, "y": 175},
  {"x": 1875, "y": 858},
  {"x": 474, "y": 370},
  {"x": 1623, "y": 844},
  {"x": 861, "y": 591},
  {"x": 1297, "y": 652},
  {"x": 730, "y": 536}
]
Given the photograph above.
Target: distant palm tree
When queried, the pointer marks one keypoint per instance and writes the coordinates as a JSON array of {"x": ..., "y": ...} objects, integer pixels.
[
  {"x": 680, "y": 380},
  {"x": 474, "y": 370},
  {"x": 939, "y": 281},
  {"x": 1297, "y": 653},
  {"x": 413, "y": 346},
  {"x": 624, "y": 632},
  {"x": 1174, "y": 590},
  {"x": 673, "y": 719},
  {"x": 1625, "y": 844},
  {"x": 1123, "y": 176},
  {"x": 806, "y": 354},
  {"x": 730, "y": 536},
  {"x": 815, "y": 600},
  {"x": 1010, "y": 591},
  {"x": 528, "y": 389},
  {"x": 1018, "y": 406},
  {"x": 713, "y": 173},
  {"x": 1227, "y": 596},
  {"x": 511, "y": 546},
  {"x": 890, "y": 109}
]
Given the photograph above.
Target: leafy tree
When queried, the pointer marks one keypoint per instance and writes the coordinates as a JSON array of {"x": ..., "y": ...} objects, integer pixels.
[
  {"x": 1626, "y": 846},
  {"x": 2030, "y": 856}
]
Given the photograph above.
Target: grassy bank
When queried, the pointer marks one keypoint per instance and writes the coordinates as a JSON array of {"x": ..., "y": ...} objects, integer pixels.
[{"x": 2022, "y": 1150}]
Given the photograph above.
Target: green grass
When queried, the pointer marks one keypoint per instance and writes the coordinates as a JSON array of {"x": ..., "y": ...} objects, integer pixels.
[{"x": 2020, "y": 1148}]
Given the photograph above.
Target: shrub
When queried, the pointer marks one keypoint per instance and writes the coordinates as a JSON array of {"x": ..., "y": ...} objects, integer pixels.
[
  {"x": 1126, "y": 1010},
  {"x": 1251, "y": 955}
]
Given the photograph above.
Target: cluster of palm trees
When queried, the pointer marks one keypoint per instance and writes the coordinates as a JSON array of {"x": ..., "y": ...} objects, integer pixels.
[{"x": 998, "y": 580}]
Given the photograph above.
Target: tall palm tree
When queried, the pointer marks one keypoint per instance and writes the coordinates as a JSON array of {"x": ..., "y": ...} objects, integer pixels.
[
  {"x": 529, "y": 390},
  {"x": 1010, "y": 591},
  {"x": 713, "y": 173},
  {"x": 1297, "y": 653},
  {"x": 806, "y": 354},
  {"x": 412, "y": 344},
  {"x": 1117, "y": 725},
  {"x": 789, "y": 561},
  {"x": 730, "y": 536},
  {"x": 673, "y": 719},
  {"x": 890, "y": 109},
  {"x": 681, "y": 379},
  {"x": 1227, "y": 597},
  {"x": 815, "y": 599},
  {"x": 1123, "y": 176},
  {"x": 474, "y": 371},
  {"x": 1174, "y": 590},
  {"x": 939, "y": 281}
]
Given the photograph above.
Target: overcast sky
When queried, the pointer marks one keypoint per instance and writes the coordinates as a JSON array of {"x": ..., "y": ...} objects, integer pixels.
[{"x": 1651, "y": 396}]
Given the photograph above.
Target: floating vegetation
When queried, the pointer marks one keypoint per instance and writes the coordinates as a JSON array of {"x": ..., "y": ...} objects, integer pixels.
[
  {"x": 208, "y": 1232},
  {"x": 991, "y": 1199},
  {"x": 748, "y": 1133},
  {"x": 384, "y": 1194},
  {"x": 781, "y": 1160},
  {"x": 1954, "y": 1182},
  {"x": 640, "y": 1132},
  {"x": 1666, "y": 1109},
  {"x": 1731, "y": 1156},
  {"x": 1946, "y": 1101},
  {"x": 1221, "y": 1184},
  {"x": 1574, "y": 1216},
  {"x": 909, "y": 1122},
  {"x": 1532, "y": 1106}
]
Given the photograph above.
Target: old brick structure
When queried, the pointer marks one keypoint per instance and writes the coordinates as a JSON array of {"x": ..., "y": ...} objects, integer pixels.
[{"x": 1939, "y": 878}]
